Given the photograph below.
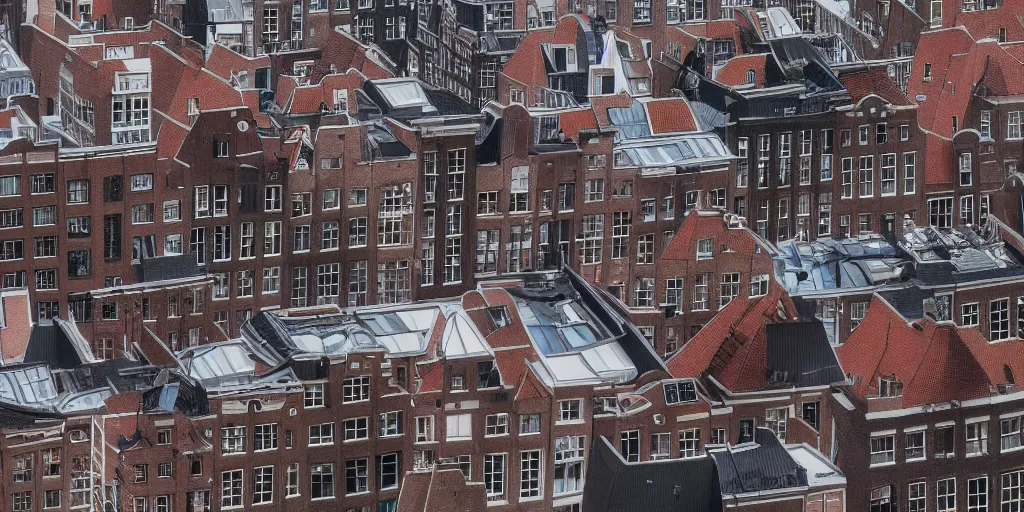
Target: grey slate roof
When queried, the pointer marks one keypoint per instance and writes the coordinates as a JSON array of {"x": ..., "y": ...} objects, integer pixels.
[
  {"x": 945, "y": 273},
  {"x": 49, "y": 344},
  {"x": 674, "y": 485},
  {"x": 768, "y": 466},
  {"x": 802, "y": 351},
  {"x": 165, "y": 268},
  {"x": 908, "y": 301}
]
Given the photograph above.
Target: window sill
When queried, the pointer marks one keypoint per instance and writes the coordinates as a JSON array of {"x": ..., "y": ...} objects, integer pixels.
[
  {"x": 457, "y": 439},
  {"x": 1011, "y": 450},
  {"x": 570, "y": 422},
  {"x": 918, "y": 459},
  {"x": 882, "y": 464},
  {"x": 353, "y": 494},
  {"x": 263, "y": 503},
  {"x": 356, "y": 440},
  {"x": 325, "y": 498},
  {"x": 290, "y": 497},
  {"x": 972, "y": 455},
  {"x": 320, "y": 444}
]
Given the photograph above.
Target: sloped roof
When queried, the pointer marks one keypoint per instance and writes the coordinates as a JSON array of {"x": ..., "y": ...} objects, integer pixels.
[
  {"x": 671, "y": 115},
  {"x": 677, "y": 485},
  {"x": 765, "y": 467},
  {"x": 734, "y": 72},
  {"x": 733, "y": 346},
  {"x": 165, "y": 268},
  {"x": 527, "y": 64},
  {"x": 873, "y": 81},
  {"x": 935, "y": 362}
]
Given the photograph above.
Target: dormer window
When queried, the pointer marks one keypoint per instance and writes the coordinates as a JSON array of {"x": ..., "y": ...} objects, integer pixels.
[
  {"x": 341, "y": 100},
  {"x": 751, "y": 76},
  {"x": 927, "y": 71},
  {"x": 564, "y": 58},
  {"x": 704, "y": 249},
  {"x": 679, "y": 392},
  {"x": 499, "y": 316},
  {"x": 889, "y": 387},
  {"x": 222, "y": 149}
]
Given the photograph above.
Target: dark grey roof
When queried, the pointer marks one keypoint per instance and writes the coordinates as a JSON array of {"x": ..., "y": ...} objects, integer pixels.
[
  {"x": 449, "y": 103},
  {"x": 166, "y": 268},
  {"x": 125, "y": 375},
  {"x": 675, "y": 485},
  {"x": 908, "y": 301},
  {"x": 13, "y": 418},
  {"x": 942, "y": 273},
  {"x": 768, "y": 466},
  {"x": 801, "y": 351},
  {"x": 49, "y": 344}
]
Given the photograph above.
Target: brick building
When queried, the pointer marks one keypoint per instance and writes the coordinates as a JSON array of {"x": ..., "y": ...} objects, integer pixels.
[{"x": 914, "y": 436}]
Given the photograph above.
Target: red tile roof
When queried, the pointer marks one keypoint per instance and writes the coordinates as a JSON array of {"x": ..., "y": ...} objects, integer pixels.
[
  {"x": 699, "y": 225},
  {"x": 733, "y": 346},
  {"x": 873, "y": 81},
  {"x": 601, "y": 104},
  {"x": 572, "y": 122},
  {"x": 936, "y": 363},
  {"x": 224, "y": 62},
  {"x": 671, "y": 115},
  {"x": 527, "y": 64},
  {"x": 734, "y": 73}
]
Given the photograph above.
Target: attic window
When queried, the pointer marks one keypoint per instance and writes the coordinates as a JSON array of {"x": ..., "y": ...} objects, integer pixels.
[
  {"x": 927, "y": 71},
  {"x": 564, "y": 58},
  {"x": 1002, "y": 35},
  {"x": 487, "y": 375},
  {"x": 679, "y": 392},
  {"x": 889, "y": 387},
  {"x": 751, "y": 76},
  {"x": 499, "y": 316}
]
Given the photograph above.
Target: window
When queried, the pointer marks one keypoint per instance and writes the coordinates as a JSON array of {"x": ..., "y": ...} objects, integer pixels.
[
  {"x": 265, "y": 437},
  {"x": 700, "y": 292},
  {"x": 867, "y": 176},
  {"x": 969, "y": 314},
  {"x": 690, "y": 443},
  {"x": 570, "y": 410},
  {"x": 321, "y": 481},
  {"x": 51, "y": 499},
  {"x": 1009, "y": 433},
  {"x": 569, "y": 464},
  {"x": 356, "y": 389},
  {"x": 313, "y": 396},
  {"x": 977, "y": 438},
  {"x": 940, "y": 212},
  {"x": 945, "y": 495},
  {"x": 621, "y": 222},
  {"x": 629, "y": 445},
  {"x": 390, "y": 424},
  {"x": 388, "y": 469},
  {"x": 494, "y": 476},
  {"x": 529, "y": 424},
  {"x": 593, "y": 190},
  {"x": 263, "y": 485},
  {"x": 272, "y": 238},
  {"x": 643, "y": 296},
  {"x": 916, "y": 497},
  {"x": 730, "y": 288},
  {"x": 141, "y": 182},
  {"x": 321, "y": 434},
  {"x": 272, "y": 198},
  {"x": 704, "y": 249},
  {"x": 944, "y": 441},
  {"x": 1013, "y": 125},
  {"x": 883, "y": 449},
  {"x": 758, "y": 285},
  {"x": 21, "y": 501},
  {"x": 999, "y": 319},
  {"x": 913, "y": 445},
  {"x": 777, "y": 420},
  {"x": 11, "y": 186},
  {"x": 593, "y": 238},
  {"x": 231, "y": 489},
  {"x": 529, "y": 474},
  {"x": 459, "y": 427},
  {"x": 232, "y": 440},
  {"x": 977, "y": 494},
  {"x": 496, "y": 424},
  {"x": 453, "y": 260},
  {"x": 661, "y": 446},
  {"x": 41, "y": 184}
]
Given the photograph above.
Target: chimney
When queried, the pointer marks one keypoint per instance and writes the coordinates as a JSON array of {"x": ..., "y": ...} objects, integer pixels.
[{"x": 928, "y": 306}]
